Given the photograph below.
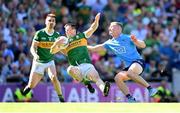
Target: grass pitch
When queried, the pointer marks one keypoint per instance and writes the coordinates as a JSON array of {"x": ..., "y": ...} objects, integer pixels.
[{"x": 89, "y": 108}]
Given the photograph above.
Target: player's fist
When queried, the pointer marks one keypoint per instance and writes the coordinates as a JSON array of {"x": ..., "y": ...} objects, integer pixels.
[
  {"x": 97, "y": 17},
  {"x": 133, "y": 38}
]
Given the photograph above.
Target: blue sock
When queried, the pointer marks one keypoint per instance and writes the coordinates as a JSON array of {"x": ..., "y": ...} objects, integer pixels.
[{"x": 149, "y": 87}]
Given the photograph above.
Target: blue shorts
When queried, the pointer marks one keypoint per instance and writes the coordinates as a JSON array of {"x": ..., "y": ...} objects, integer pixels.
[{"x": 139, "y": 61}]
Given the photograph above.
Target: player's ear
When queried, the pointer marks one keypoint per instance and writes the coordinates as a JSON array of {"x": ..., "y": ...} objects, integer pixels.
[{"x": 45, "y": 21}]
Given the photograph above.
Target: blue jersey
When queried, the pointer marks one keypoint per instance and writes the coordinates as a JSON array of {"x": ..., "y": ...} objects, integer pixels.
[{"x": 124, "y": 48}]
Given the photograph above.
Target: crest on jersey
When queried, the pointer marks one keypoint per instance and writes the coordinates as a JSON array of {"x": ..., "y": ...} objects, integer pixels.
[
  {"x": 77, "y": 37},
  {"x": 43, "y": 38},
  {"x": 50, "y": 38}
]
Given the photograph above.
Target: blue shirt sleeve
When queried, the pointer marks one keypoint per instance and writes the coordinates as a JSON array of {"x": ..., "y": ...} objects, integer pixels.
[
  {"x": 106, "y": 45},
  {"x": 131, "y": 43}
]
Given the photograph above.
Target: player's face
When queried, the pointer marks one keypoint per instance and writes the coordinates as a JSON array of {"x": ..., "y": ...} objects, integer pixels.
[
  {"x": 70, "y": 31},
  {"x": 114, "y": 30},
  {"x": 50, "y": 22}
]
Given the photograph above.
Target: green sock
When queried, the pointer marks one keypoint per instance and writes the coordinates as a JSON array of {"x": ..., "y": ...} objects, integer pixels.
[
  {"x": 61, "y": 98},
  {"x": 85, "y": 81}
]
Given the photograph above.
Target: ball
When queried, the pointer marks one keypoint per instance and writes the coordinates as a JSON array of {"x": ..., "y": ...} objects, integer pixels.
[{"x": 65, "y": 43}]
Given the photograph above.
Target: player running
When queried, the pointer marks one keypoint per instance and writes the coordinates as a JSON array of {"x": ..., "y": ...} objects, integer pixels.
[
  {"x": 43, "y": 59},
  {"x": 125, "y": 47},
  {"x": 77, "y": 53}
]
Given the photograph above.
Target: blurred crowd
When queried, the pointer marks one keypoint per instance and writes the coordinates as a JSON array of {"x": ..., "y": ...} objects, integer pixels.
[{"x": 154, "y": 21}]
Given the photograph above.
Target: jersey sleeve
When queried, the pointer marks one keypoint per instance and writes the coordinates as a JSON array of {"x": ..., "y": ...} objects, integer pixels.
[
  {"x": 36, "y": 37},
  {"x": 106, "y": 45},
  {"x": 130, "y": 41},
  {"x": 85, "y": 35},
  {"x": 57, "y": 35},
  {"x": 82, "y": 35}
]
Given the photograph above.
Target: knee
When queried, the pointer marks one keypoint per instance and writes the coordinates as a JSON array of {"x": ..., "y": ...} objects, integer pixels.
[
  {"x": 118, "y": 77},
  {"x": 130, "y": 73},
  {"x": 93, "y": 75},
  {"x": 73, "y": 70},
  {"x": 54, "y": 78},
  {"x": 75, "y": 73}
]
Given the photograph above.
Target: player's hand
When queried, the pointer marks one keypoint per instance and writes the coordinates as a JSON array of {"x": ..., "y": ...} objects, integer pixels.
[
  {"x": 51, "y": 50},
  {"x": 54, "y": 50},
  {"x": 59, "y": 41},
  {"x": 97, "y": 17},
  {"x": 36, "y": 57},
  {"x": 133, "y": 38}
]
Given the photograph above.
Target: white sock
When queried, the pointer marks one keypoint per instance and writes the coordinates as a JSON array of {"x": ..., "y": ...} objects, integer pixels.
[{"x": 100, "y": 84}]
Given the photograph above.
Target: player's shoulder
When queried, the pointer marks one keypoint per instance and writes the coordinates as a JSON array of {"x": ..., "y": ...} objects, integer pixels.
[
  {"x": 125, "y": 35},
  {"x": 81, "y": 35},
  {"x": 57, "y": 33},
  {"x": 109, "y": 41},
  {"x": 40, "y": 31}
]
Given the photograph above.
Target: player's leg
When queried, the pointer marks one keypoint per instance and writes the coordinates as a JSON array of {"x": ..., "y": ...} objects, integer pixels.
[
  {"x": 133, "y": 72},
  {"x": 92, "y": 74},
  {"x": 75, "y": 73},
  {"x": 33, "y": 81},
  {"x": 53, "y": 76},
  {"x": 120, "y": 78},
  {"x": 36, "y": 75}
]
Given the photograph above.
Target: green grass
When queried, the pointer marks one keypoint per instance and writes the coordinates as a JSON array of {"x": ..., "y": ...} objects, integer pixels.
[{"x": 89, "y": 108}]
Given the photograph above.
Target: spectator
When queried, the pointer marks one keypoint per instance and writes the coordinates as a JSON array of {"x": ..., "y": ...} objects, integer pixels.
[
  {"x": 156, "y": 22},
  {"x": 164, "y": 94},
  {"x": 19, "y": 96}
]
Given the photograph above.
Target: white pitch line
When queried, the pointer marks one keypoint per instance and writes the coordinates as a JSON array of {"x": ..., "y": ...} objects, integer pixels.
[{"x": 93, "y": 112}]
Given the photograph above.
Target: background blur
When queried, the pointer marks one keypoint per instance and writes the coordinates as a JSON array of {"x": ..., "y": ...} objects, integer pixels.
[{"x": 154, "y": 21}]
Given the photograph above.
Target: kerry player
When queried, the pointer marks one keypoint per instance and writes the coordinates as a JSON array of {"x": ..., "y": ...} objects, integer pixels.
[
  {"x": 77, "y": 53},
  {"x": 42, "y": 58}
]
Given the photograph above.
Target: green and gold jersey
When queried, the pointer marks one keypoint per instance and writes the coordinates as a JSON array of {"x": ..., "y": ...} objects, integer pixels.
[
  {"x": 45, "y": 41},
  {"x": 77, "y": 51}
]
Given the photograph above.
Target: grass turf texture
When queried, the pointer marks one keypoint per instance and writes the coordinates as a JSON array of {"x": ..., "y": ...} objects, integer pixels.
[{"x": 89, "y": 108}]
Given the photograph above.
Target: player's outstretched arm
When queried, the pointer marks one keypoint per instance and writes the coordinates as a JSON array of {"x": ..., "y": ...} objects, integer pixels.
[
  {"x": 93, "y": 27},
  {"x": 138, "y": 43},
  {"x": 96, "y": 48}
]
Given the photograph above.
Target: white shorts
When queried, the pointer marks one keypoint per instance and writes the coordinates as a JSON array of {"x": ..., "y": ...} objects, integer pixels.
[
  {"x": 84, "y": 68},
  {"x": 40, "y": 68}
]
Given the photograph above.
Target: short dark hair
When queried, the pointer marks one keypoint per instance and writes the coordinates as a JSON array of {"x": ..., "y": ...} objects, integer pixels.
[
  {"x": 51, "y": 15},
  {"x": 118, "y": 23},
  {"x": 72, "y": 25}
]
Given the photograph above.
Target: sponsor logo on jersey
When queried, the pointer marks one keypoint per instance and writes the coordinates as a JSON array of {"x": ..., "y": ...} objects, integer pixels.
[
  {"x": 43, "y": 38},
  {"x": 45, "y": 44},
  {"x": 77, "y": 43}
]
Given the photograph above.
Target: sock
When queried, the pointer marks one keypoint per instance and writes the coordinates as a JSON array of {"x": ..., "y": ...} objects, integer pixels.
[
  {"x": 26, "y": 90},
  {"x": 61, "y": 98},
  {"x": 100, "y": 84},
  {"x": 85, "y": 81},
  {"x": 128, "y": 96},
  {"x": 149, "y": 87}
]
